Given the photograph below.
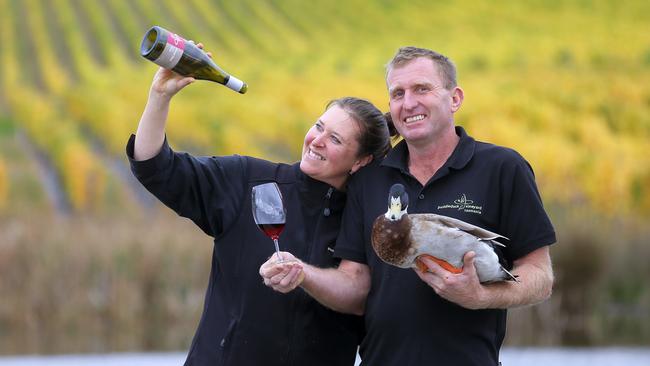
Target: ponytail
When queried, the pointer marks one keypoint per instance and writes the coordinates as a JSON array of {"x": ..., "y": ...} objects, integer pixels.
[{"x": 392, "y": 131}]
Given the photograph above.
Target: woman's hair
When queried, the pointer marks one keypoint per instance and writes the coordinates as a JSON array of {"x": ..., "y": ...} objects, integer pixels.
[
  {"x": 392, "y": 131},
  {"x": 445, "y": 66},
  {"x": 374, "y": 138}
]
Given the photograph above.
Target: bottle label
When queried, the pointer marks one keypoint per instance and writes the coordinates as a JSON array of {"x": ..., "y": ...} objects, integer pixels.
[
  {"x": 172, "y": 52},
  {"x": 234, "y": 83}
]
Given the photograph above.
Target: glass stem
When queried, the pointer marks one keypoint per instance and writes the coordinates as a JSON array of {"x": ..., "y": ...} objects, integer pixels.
[{"x": 277, "y": 250}]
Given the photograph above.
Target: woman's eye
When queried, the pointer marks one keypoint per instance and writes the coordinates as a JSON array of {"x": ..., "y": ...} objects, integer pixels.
[
  {"x": 319, "y": 127},
  {"x": 336, "y": 140}
]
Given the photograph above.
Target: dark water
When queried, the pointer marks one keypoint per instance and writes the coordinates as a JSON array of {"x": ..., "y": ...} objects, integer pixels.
[{"x": 509, "y": 357}]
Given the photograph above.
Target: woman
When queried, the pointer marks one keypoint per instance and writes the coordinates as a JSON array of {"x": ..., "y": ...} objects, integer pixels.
[{"x": 243, "y": 321}]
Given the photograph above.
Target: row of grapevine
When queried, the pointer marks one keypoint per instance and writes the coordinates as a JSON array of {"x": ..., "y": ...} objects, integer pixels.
[
  {"x": 4, "y": 186},
  {"x": 71, "y": 74},
  {"x": 66, "y": 49}
]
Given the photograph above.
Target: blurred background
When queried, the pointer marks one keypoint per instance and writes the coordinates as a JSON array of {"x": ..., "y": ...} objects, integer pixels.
[{"x": 91, "y": 263}]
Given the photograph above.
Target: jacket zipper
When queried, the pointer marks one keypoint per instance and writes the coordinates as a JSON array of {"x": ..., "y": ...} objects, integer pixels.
[{"x": 299, "y": 300}]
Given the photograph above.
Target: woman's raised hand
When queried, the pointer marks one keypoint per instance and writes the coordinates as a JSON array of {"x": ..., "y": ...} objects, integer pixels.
[{"x": 167, "y": 83}]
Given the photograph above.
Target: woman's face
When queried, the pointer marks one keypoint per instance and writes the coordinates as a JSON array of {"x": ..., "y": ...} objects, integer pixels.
[{"x": 329, "y": 152}]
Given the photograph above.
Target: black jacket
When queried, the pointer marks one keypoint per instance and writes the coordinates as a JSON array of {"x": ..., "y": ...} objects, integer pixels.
[{"x": 243, "y": 321}]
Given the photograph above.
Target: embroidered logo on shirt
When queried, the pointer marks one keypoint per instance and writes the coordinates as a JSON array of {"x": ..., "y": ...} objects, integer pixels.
[{"x": 463, "y": 204}]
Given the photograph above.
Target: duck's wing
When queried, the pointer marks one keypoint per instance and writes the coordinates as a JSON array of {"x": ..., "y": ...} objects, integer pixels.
[{"x": 450, "y": 222}]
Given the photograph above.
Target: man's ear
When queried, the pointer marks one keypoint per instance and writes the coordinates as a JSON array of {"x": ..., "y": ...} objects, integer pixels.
[
  {"x": 360, "y": 163},
  {"x": 457, "y": 96}
]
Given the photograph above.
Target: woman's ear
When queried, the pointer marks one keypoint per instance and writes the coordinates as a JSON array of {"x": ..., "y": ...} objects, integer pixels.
[{"x": 360, "y": 163}]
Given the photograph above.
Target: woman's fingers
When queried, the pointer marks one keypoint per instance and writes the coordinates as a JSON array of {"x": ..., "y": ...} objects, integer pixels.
[
  {"x": 270, "y": 269},
  {"x": 285, "y": 269},
  {"x": 282, "y": 276},
  {"x": 200, "y": 46},
  {"x": 292, "y": 279}
]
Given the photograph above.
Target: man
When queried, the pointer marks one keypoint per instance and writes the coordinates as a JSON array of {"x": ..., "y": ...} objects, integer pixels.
[{"x": 433, "y": 317}]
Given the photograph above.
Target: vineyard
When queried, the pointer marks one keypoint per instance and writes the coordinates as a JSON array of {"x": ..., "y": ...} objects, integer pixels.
[
  {"x": 565, "y": 83},
  {"x": 567, "y": 86}
]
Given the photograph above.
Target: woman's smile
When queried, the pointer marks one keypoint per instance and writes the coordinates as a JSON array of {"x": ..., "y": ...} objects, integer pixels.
[{"x": 313, "y": 155}]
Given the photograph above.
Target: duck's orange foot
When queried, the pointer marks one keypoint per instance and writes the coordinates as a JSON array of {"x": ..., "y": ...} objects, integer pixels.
[{"x": 442, "y": 263}]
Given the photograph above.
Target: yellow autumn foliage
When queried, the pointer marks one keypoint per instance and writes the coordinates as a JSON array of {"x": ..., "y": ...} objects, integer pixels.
[
  {"x": 85, "y": 180},
  {"x": 4, "y": 184},
  {"x": 567, "y": 84}
]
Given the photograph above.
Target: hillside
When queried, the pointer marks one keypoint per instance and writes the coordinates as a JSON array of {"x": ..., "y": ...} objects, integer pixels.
[{"x": 565, "y": 83}]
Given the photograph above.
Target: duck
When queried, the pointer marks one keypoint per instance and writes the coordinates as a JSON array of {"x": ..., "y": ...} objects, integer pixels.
[{"x": 401, "y": 239}]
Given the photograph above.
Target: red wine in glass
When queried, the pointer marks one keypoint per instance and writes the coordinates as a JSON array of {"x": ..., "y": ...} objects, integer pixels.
[
  {"x": 269, "y": 212},
  {"x": 271, "y": 230}
]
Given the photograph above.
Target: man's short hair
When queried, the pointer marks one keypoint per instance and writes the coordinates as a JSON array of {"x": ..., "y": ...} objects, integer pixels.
[{"x": 445, "y": 66}]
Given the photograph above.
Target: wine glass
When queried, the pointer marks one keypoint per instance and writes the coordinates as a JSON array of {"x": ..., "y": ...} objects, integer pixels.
[{"x": 269, "y": 212}]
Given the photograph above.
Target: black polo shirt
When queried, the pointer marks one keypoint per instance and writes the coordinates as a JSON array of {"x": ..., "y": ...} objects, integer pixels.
[{"x": 406, "y": 322}]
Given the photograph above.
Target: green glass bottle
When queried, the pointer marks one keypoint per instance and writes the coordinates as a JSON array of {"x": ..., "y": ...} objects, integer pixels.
[{"x": 171, "y": 51}]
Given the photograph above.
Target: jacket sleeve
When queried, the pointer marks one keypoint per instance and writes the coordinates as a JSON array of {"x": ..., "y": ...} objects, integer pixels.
[{"x": 207, "y": 190}]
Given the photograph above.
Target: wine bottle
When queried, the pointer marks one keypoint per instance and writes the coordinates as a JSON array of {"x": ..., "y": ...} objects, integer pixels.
[{"x": 171, "y": 51}]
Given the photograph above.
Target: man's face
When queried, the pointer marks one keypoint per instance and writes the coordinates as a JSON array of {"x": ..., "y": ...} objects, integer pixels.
[{"x": 421, "y": 108}]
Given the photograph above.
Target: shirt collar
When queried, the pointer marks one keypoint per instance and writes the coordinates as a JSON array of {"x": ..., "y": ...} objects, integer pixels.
[
  {"x": 313, "y": 191},
  {"x": 398, "y": 156}
]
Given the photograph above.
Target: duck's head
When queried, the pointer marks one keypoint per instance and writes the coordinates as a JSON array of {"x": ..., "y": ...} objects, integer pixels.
[{"x": 398, "y": 201}]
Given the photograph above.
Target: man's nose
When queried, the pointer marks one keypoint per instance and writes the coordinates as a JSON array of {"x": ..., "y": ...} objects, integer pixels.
[{"x": 410, "y": 100}]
